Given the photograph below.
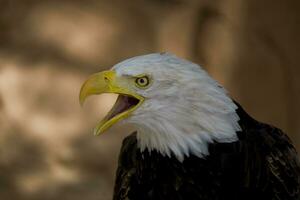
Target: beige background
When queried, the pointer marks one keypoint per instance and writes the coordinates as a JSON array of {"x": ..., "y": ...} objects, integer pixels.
[{"x": 47, "y": 49}]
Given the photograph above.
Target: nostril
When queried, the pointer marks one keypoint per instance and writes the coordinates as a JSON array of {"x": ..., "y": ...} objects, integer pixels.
[{"x": 105, "y": 78}]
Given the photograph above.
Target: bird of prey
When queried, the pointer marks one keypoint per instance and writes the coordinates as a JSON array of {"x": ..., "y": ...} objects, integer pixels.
[{"x": 192, "y": 141}]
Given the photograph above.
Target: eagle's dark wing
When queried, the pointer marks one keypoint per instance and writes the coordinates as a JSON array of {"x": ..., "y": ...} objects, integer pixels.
[
  {"x": 126, "y": 172},
  {"x": 283, "y": 164},
  {"x": 271, "y": 164}
]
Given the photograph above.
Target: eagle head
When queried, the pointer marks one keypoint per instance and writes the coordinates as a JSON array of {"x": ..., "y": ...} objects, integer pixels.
[{"x": 175, "y": 106}]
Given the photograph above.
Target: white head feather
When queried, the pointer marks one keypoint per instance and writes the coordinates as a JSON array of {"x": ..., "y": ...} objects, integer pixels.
[{"x": 185, "y": 109}]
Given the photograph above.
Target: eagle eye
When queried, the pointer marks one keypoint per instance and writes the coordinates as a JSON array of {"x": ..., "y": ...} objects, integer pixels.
[{"x": 142, "y": 82}]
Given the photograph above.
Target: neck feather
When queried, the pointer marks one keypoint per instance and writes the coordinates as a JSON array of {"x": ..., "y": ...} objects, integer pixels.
[{"x": 188, "y": 125}]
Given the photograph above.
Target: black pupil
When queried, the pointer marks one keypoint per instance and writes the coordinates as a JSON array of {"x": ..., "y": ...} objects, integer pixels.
[{"x": 142, "y": 80}]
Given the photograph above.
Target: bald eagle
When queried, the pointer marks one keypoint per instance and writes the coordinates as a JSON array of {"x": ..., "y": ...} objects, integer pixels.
[{"x": 192, "y": 141}]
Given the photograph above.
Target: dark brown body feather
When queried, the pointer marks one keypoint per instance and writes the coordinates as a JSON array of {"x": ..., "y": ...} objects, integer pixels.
[{"x": 261, "y": 165}]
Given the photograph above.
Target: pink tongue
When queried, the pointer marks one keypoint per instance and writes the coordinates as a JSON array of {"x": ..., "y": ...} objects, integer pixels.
[{"x": 122, "y": 104}]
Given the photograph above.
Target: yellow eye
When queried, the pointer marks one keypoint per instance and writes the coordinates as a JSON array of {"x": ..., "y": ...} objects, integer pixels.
[{"x": 142, "y": 82}]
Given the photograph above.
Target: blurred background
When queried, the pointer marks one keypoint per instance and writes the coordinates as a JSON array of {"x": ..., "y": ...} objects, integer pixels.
[{"x": 48, "y": 48}]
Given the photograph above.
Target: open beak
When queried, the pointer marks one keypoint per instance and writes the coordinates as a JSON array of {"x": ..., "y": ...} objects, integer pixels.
[{"x": 108, "y": 82}]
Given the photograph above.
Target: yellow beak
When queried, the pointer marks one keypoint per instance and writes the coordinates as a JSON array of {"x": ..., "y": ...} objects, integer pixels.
[{"x": 108, "y": 82}]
